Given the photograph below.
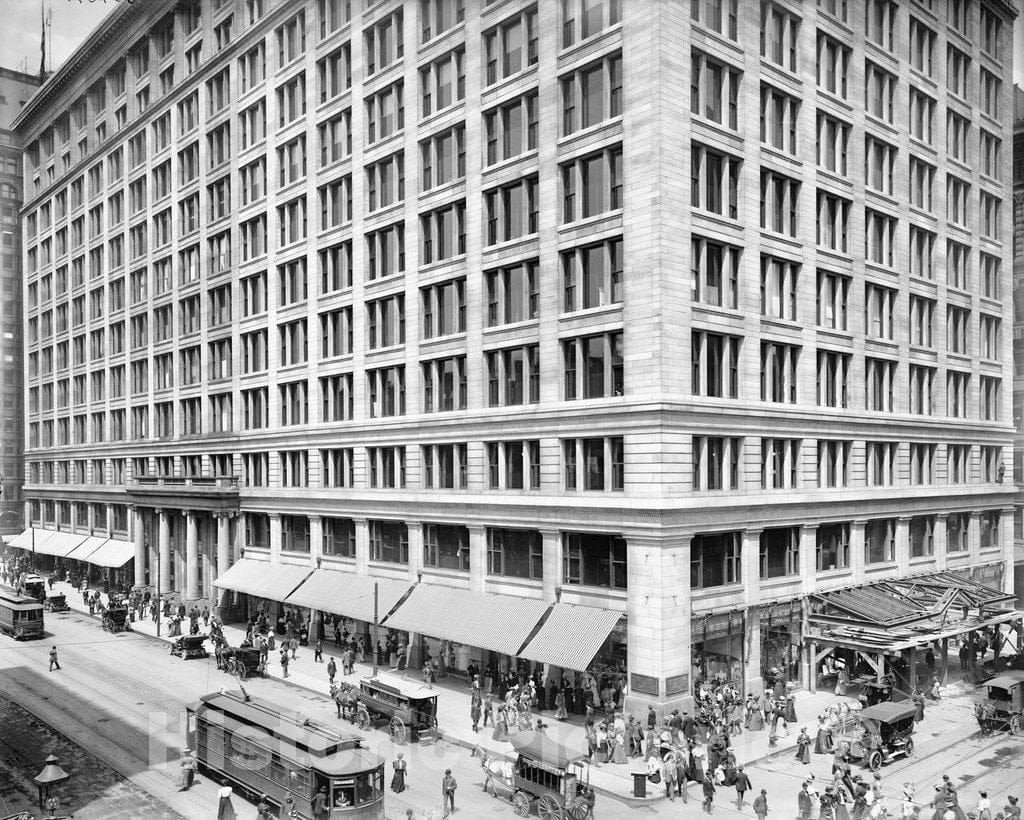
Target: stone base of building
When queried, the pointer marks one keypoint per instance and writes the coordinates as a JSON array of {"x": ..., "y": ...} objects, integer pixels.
[{"x": 636, "y": 705}]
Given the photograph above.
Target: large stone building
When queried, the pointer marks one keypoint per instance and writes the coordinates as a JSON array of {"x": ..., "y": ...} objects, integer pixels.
[
  {"x": 607, "y": 328},
  {"x": 16, "y": 88},
  {"x": 1018, "y": 332}
]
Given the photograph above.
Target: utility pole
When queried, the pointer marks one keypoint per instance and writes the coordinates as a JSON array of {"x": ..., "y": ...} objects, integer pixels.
[
  {"x": 159, "y": 603},
  {"x": 373, "y": 649}
]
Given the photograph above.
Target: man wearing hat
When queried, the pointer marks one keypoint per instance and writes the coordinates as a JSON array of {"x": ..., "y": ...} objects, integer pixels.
[
  {"x": 742, "y": 785},
  {"x": 804, "y": 802},
  {"x": 675, "y": 723},
  {"x": 652, "y": 717},
  {"x": 187, "y": 770},
  {"x": 761, "y": 805}
]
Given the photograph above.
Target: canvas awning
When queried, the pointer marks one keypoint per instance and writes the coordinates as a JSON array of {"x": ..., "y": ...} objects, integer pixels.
[
  {"x": 348, "y": 594},
  {"x": 113, "y": 552},
  {"x": 89, "y": 545},
  {"x": 501, "y": 623},
  {"x": 571, "y": 635},
  {"x": 22, "y": 540},
  {"x": 56, "y": 543},
  {"x": 262, "y": 578}
]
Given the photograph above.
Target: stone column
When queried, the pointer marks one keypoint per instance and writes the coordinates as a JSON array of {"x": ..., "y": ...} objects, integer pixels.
[
  {"x": 191, "y": 556},
  {"x": 658, "y": 617},
  {"x": 362, "y": 545},
  {"x": 275, "y": 538},
  {"x": 903, "y": 544},
  {"x": 554, "y": 568},
  {"x": 974, "y": 539},
  {"x": 415, "y": 531},
  {"x": 1006, "y": 543},
  {"x": 857, "y": 550},
  {"x": 223, "y": 543},
  {"x": 477, "y": 557},
  {"x": 165, "y": 551},
  {"x": 941, "y": 545},
  {"x": 139, "y": 536},
  {"x": 750, "y": 578},
  {"x": 316, "y": 540}
]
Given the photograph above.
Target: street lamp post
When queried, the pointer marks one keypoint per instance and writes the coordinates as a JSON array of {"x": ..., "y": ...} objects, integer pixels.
[{"x": 51, "y": 775}]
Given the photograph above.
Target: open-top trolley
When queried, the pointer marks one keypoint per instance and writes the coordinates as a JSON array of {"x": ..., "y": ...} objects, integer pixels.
[
  {"x": 21, "y": 616},
  {"x": 263, "y": 748}
]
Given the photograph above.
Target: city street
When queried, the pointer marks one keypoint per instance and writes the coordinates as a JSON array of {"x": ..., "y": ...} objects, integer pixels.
[{"x": 122, "y": 698}]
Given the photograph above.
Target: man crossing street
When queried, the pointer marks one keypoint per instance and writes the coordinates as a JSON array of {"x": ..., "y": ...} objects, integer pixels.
[
  {"x": 742, "y": 785},
  {"x": 53, "y": 658}
]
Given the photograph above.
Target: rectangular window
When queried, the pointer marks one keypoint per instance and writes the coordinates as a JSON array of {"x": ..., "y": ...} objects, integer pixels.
[
  {"x": 385, "y": 251},
  {"x": 779, "y": 114},
  {"x": 515, "y": 553},
  {"x": 443, "y": 82},
  {"x": 716, "y": 462},
  {"x": 715, "y": 364},
  {"x": 444, "y": 385},
  {"x": 511, "y": 128},
  {"x": 833, "y": 65},
  {"x": 778, "y": 372},
  {"x": 779, "y": 287},
  {"x": 714, "y": 181},
  {"x": 957, "y": 393},
  {"x": 834, "y": 458},
  {"x": 593, "y": 367},
  {"x": 879, "y": 379},
  {"x": 780, "y": 463},
  {"x": 335, "y": 138},
  {"x": 291, "y": 39},
  {"x": 832, "y": 300},
  {"x": 714, "y": 272},
  {"x": 389, "y": 542},
  {"x": 880, "y": 541},
  {"x": 832, "y": 547},
  {"x": 511, "y": 46},
  {"x": 592, "y": 94},
  {"x": 513, "y": 376},
  {"x": 334, "y": 73},
  {"x": 779, "y": 203},
  {"x": 594, "y": 464},
  {"x": 386, "y": 391},
  {"x": 958, "y": 330},
  {"x": 779, "y": 33},
  {"x": 511, "y": 211},
  {"x": 443, "y": 233},
  {"x": 922, "y": 390},
  {"x": 339, "y": 536},
  {"x": 879, "y": 238},
  {"x": 592, "y": 185},
  {"x": 385, "y": 113},
  {"x": 714, "y": 90},
  {"x": 715, "y": 559}
]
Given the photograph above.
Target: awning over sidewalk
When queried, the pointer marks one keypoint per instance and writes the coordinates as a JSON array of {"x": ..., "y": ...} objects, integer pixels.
[
  {"x": 56, "y": 543},
  {"x": 22, "y": 540},
  {"x": 898, "y": 613},
  {"x": 88, "y": 546},
  {"x": 113, "y": 552},
  {"x": 571, "y": 635},
  {"x": 500, "y": 623},
  {"x": 348, "y": 594},
  {"x": 262, "y": 578}
]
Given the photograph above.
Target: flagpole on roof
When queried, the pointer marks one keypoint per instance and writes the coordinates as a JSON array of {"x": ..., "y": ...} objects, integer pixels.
[{"x": 42, "y": 42}]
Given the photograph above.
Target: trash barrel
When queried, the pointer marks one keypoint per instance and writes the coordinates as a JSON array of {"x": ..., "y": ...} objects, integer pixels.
[{"x": 639, "y": 784}]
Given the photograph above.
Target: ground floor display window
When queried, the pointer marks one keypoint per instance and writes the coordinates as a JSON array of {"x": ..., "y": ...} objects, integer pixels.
[
  {"x": 781, "y": 643},
  {"x": 718, "y": 648}
]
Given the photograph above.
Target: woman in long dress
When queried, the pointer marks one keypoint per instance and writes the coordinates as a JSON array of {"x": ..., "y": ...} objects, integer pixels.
[
  {"x": 790, "y": 713},
  {"x": 398, "y": 780},
  {"x": 823, "y": 742},
  {"x": 500, "y": 726},
  {"x": 803, "y": 746},
  {"x": 225, "y": 810},
  {"x": 560, "y": 712},
  {"x": 619, "y": 750}
]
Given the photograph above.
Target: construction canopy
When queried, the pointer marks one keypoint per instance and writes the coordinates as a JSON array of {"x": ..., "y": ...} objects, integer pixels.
[{"x": 898, "y": 613}]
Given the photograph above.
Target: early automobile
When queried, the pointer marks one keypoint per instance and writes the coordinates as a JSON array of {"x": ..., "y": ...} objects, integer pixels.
[
  {"x": 408, "y": 707},
  {"x": 189, "y": 646},
  {"x": 880, "y": 734},
  {"x": 544, "y": 773},
  {"x": 57, "y": 603},
  {"x": 1002, "y": 707}
]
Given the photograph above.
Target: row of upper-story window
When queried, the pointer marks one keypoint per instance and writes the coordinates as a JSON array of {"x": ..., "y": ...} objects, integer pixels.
[
  {"x": 509, "y": 46},
  {"x": 591, "y": 367},
  {"x": 726, "y": 464}
]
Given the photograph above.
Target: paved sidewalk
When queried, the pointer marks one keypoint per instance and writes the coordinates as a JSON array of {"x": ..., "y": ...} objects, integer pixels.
[{"x": 454, "y": 706}]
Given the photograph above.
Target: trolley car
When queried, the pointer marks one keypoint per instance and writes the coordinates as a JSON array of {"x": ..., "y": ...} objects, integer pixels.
[
  {"x": 262, "y": 748},
  {"x": 21, "y": 616},
  {"x": 409, "y": 709}
]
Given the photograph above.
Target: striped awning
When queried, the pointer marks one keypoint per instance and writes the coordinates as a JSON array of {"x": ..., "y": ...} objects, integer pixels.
[
  {"x": 56, "y": 543},
  {"x": 262, "y": 578},
  {"x": 501, "y": 623},
  {"x": 348, "y": 594},
  {"x": 88, "y": 546},
  {"x": 22, "y": 540},
  {"x": 113, "y": 552},
  {"x": 571, "y": 635}
]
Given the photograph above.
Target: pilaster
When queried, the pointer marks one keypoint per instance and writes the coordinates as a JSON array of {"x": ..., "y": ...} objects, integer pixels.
[
  {"x": 551, "y": 546},
  {"x": 275, "y": 538},
  {"x": 477, "y": 557}
]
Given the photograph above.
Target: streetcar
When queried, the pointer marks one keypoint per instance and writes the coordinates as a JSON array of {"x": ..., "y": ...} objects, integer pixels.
[
  {"x": 262, "y": 748},
  {"x": 21, "y": 616}
]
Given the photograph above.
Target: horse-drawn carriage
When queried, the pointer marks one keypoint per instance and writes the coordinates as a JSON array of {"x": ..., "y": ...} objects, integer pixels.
[
  {"x": 544, "y": 773},
  {"x": 189, "y": 646},
  {"x": 1003, "y": 704},
  {"x": 115, "y": 618},
  {"x": 241, "y": 661},
  {"x": 880, "y": 734},
  {"x": 409, "y": 708},
  {"x": 57, "y": 603}
]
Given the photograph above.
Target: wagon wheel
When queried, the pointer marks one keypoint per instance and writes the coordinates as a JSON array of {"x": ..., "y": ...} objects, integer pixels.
[
  {"x": 521, "y": 804},
  {"x": 577, "y": 810},
  {"x": 548, "y": 808},
  {"x": 875, "y": 761},
  {"x": 908, "y": 747},
  {"x": 363, "y": 719},
  {"x": 398, "y": 733}
]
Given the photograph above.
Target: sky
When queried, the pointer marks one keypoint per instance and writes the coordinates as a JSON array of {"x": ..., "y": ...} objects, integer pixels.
[{"x": 72, "y": 21}]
